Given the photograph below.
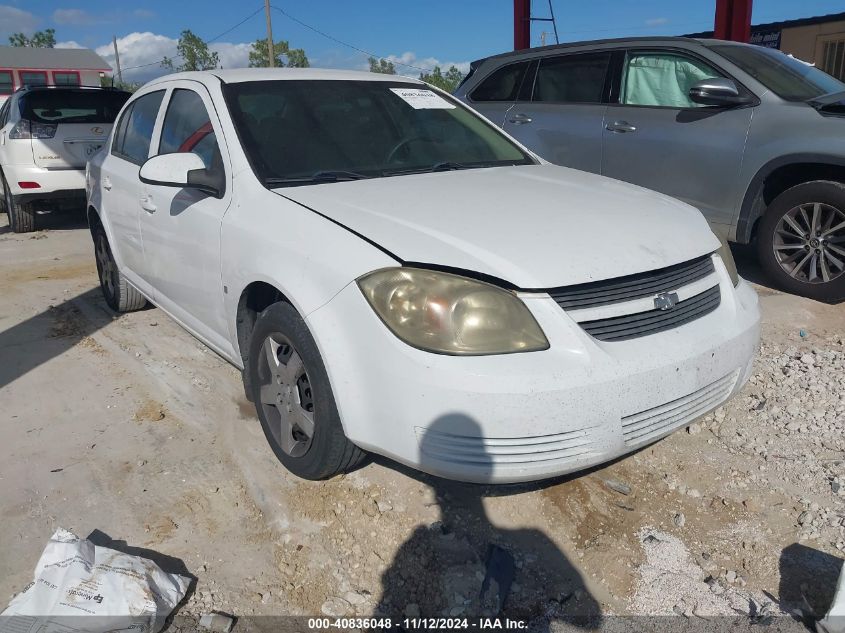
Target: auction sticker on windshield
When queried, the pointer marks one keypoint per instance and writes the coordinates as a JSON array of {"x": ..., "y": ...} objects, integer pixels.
[{"x": 422, "y": 99}]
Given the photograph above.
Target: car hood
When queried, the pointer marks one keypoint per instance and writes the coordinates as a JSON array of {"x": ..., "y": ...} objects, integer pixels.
[{"x": 537, "y": 226}]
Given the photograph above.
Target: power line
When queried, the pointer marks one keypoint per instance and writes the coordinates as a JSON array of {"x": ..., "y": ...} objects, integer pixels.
[{"x": 348, "y": 45}]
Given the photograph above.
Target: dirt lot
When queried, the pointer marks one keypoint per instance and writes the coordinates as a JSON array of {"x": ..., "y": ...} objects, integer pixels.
[{"x": 128, "y": 428}]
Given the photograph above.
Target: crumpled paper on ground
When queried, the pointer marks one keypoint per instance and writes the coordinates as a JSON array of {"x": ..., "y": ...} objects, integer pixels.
[{"x": 79, "y": 586}]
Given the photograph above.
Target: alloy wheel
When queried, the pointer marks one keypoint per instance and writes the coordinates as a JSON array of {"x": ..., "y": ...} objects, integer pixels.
[
  {"x": 105, "y": 265},
  {"x": 809, "y": 242},
  {"x": 285, "y": 395}
]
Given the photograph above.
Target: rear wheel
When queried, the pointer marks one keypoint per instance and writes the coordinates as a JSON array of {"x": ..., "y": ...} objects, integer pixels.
[
  {"x": 801, "y": 241},
  {"x": 293, "y": 397},
  {"x": 21, "y": 215},
  {"x": 118, "y": 293}
]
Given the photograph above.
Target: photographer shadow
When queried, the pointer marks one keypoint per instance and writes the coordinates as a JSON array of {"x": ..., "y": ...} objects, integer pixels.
[{"x": 464, "y": 566}]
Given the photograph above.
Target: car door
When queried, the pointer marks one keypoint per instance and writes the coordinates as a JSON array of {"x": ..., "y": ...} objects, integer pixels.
[
  {"x": 496, "y": 94},
  {"x": 122, "y": 189},
  {"x": 564, "y": 118},
  {"x": 180, "y": 227},
  {"x": 657, "y": 137}
]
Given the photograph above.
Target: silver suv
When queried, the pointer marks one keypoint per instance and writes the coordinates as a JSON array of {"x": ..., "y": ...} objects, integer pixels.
[{"x": 752, "y": 137}]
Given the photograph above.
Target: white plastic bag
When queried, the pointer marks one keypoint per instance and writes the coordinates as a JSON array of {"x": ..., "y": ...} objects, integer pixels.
[
  {"x": 79, "y": 586},
  {"x": 834, "y": 621}
]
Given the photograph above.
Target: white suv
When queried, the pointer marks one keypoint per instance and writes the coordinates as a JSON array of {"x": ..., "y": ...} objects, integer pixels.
[
  {"x": 47, "y": 134},
  {"x": 394, "y": 273}
]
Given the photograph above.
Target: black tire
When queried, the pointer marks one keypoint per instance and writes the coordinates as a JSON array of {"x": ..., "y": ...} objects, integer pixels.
[
  {"x": 327, "y": 452},
  {"x": 118, "y": 293},
  {"x": 21, "y": 215},
  {"x": 4, "y": 201},
  {"x": 808, "y": 279}
]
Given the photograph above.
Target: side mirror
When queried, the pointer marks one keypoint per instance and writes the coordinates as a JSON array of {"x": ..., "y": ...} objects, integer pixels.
[
  {"x": 717, "y": 91},
  {"x": 182, "y": 169}
]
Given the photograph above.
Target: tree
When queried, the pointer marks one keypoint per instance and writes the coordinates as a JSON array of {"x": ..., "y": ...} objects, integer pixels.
[
  {"x": 447, "y": 82},
  {"x": 284, "y": 54},
  {"x": 39, "y": 39},
  {"x": 383, "y": 66},
  {"x": 194, "y": 54}
]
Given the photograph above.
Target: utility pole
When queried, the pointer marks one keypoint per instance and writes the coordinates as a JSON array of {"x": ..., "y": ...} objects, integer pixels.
[
  {"x": 117, "y": 59},
  {"x": 270, "y": 52}
]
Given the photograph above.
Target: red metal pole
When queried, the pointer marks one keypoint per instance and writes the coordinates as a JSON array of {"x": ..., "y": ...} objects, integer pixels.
[
  {"x": 733, "y": 20},
  {"x": 721, "y": 27},
  {"x": 521, "y": 24}
]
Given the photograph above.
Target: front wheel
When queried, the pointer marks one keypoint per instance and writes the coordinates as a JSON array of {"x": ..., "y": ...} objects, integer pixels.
[
  {"x": 293, "y": 397},
  {"x": 801, "y": 241}
]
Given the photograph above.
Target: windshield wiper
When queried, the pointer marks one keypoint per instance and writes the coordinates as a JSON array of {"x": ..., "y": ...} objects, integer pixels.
[
  {"x": 316, "y": 177},
  {"x": 443, "y": 166}
]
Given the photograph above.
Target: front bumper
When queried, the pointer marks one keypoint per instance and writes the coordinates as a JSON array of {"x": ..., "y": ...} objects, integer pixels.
[
  {"x": 522, "y": 417},
  {"x": 54, "y": 183}
]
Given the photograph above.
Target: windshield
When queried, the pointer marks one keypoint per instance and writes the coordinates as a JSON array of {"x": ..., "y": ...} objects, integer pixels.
[
  {"x": 301, "y": 132},
  {"x": 787, "y": 77},
  {"x": 73, "y": 106}
]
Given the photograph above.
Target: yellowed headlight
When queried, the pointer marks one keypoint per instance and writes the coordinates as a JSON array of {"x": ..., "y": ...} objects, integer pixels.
[{"x": 450, "y": 314}]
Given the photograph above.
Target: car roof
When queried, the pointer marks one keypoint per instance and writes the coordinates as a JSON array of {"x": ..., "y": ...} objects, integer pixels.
[
  {"x": 238, "y": 75},
  {"x": 612, "y": 41}
]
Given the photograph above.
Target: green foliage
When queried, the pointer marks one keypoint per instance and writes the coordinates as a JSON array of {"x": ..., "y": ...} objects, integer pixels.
[
  {"x": 383, "y": 66},
  {"x": 285, "y": 55},
  {"x": 129, "y": 86},
  {"x": 447, "y": 82},
  {"x": 39, "y": 39},
  {"x": 194, "y": 53}
]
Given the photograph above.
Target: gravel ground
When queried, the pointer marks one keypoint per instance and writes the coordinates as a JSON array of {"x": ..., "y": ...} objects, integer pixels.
[{"x": 128, "y": 426}]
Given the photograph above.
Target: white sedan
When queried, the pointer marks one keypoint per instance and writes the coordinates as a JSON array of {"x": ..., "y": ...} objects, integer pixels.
[{"x": 395, "y": 274}]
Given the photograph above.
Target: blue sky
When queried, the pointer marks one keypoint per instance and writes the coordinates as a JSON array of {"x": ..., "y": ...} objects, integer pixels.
[{"x": 418, "y": 33}]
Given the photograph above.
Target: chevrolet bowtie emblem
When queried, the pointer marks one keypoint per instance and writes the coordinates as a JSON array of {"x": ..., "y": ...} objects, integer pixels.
[{"x": 666, "y": 300}]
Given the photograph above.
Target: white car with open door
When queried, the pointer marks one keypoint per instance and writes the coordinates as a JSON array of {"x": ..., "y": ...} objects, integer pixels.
[
  {"x": 395, "y": 274},
  {"x": 47, "y": 134}
]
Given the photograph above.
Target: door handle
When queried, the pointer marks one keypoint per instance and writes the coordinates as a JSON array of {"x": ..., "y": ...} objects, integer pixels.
[
  {"x": 107, "y": 183},
  {"x": 621, "y": 126},
  {"x": 147, "y": 204},
  {"x": 519, "y": 119}
]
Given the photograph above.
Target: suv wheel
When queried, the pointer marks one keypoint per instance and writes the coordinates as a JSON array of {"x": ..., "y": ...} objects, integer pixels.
[
  {"x": 293, "y": 397},
  {"x": 118, "y": 293},
  {"x": 21, "y": 216},
  {"x": 801, "y": 241}
]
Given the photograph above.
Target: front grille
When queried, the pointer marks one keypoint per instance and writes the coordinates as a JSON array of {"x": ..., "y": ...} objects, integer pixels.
[
  {"x": 481, "y": 452},
  {"x": 647, "y": 425},
  {"x": 630, "y": 326},
  {"x": 619, "y": 289}
]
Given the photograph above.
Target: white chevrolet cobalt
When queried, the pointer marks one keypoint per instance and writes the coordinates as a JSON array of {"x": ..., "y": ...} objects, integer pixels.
[{"x": 395, "y": 274}]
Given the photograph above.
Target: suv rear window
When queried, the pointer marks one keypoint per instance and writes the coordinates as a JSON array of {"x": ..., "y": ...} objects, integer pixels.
[{"x": 72, "y": 106}]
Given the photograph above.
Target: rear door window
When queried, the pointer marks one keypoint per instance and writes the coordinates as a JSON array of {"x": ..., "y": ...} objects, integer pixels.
[
  {"x": 572, "y": 78},
  {"x": 136, "y": 137},
  {"x": 503, "y": 84},
  {"x": 187, "y": 128}
]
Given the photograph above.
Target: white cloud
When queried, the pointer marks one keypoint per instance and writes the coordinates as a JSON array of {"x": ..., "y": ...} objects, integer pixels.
[
  {"x": 69, "y": 44},
  {"x": 13, "y": 20},
  {"x": 142, "y": 52},
  {"x": 232, "y": 55},
  {"x": 409, "y": 65},
  {"x": 657, "y": 21}
]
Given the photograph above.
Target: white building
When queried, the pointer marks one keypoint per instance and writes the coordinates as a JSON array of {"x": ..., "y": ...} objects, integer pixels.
[{"x": 27, "y": 66}]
